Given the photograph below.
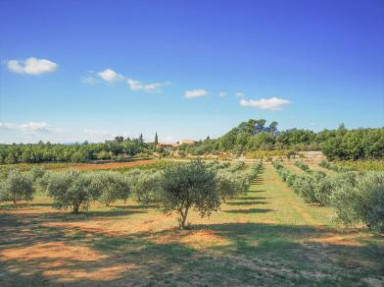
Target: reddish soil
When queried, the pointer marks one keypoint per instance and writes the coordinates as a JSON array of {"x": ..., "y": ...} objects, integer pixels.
[{"x": 111, "y": 165}]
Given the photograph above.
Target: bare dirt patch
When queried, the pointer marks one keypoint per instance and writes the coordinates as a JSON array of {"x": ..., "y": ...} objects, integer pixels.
[{"x": 111, "y": 165}]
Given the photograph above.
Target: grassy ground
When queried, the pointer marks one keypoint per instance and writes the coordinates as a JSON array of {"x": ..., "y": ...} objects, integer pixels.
[{"x": 268, "y": 237}]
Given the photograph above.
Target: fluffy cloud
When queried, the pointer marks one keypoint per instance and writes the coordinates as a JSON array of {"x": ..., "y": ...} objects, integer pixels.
[
  {"x": 28, "y": 127},
  {"x": 110, "y": 76},
  {"x": 32, "y": 66},
  {"x": 271, "y": 104},
  {"x": 195, "y": 94},
  {"x": 136, "y": 85},
  {"x": 239, "y": 95}
]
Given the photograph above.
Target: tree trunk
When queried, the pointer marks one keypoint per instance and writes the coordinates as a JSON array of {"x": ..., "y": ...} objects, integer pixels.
[
  {"x": 183, "y": 218},
  {"x": 76, "y": 208}
]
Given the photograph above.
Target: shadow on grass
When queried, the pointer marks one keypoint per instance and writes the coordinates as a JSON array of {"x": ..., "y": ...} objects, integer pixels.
[
  {"x": 134, "y": 207},
  {"x": 246, "y": 202},
  {"x": 24, "y": 204},
  {"x": 269, "y": 254},
  {"x": 255, "y": 191},
  {"x": 251, "y": 197},
  {"x": 250, "y": 210}
]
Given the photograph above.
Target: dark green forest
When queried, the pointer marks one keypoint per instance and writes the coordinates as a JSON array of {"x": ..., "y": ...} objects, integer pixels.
[
  {"x": 335, "y": 144},
  {"x": 253, "y": 135}
]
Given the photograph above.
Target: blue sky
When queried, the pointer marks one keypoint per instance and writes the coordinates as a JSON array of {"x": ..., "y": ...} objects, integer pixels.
[{"x": 76, "y": 70}]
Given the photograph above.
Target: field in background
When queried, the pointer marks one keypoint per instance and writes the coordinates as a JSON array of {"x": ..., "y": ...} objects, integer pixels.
[
  {"x": 268, "y": 237},
  {"x": 80, "y": 166}
]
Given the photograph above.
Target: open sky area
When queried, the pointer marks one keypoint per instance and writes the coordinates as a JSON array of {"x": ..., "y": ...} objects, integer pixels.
[{"x": 90, "y": 70}]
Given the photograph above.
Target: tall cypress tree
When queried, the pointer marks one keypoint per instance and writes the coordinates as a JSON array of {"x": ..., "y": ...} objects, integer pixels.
[{"x": 156, "y": 140}]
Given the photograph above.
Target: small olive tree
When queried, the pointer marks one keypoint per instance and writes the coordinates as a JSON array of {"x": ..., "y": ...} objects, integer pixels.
[
  {"x": 145, "y": 186},
  {"x": 72, "y": 189},
  {"x": 110, "y": 186},
  {"x": 229, "y": 184},
  {"x": 363, "y": 202},
  {"x": 187, "y": 186},
  {"x": 36, "y": 173},
  {"x": 16, "y": 186}
]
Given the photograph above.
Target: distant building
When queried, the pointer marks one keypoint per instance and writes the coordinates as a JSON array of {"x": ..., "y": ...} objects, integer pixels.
[
  {"x": 173, "y": 146},
  {"x": 186, "y": 141}
]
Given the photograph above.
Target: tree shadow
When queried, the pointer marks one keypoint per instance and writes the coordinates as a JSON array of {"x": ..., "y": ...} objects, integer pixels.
[
  {"x": 24, "y": 204},
  {"x": 250, "y": 210},
  {"x": 251, "y": 197},
  {"x": 246, "y": 202},
  {"x": 269, "y": 254},
  {"x": 134, "y": 207},
  {"x": 255, "y": 191}
]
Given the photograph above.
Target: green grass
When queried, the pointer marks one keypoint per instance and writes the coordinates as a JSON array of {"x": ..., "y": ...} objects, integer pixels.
[
  {"x": 362, "y": 165},
  {"x": 268, "y": 237}
]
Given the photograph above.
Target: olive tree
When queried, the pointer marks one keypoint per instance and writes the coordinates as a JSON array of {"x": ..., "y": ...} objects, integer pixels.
[
  {"x": 145, "y": 186},
  {"x": 186, "y": 186},
  {"x": 36, "y": 173},
  {"x": 16, "y": 186},
  {"x": 363, "y": 202},
  {"x": 109, "y": 186},
  {"x": 72, "y": 189}
]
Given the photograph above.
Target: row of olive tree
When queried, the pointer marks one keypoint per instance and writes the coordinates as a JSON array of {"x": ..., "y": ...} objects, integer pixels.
[
  {"x": 16, "y": 186},
  {"x": 179, "y": 188},
  {"x": 355, "y": 197},
  {"x": 326, "y": 164}
]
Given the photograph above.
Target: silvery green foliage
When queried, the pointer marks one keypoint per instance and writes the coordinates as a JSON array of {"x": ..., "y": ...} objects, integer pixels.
[
  {"x": 229, "y": 184},
  {"x": 237, "y": 166},
  {"x": 316, "y": 187},
  {"x": 145, "y": 185},
  {"x": 109, "y": 186},
  {"x": 302, "y": 166},
  {"x": 36, "y": 173},
  {"x": 16, "y": 186},
  {"x": 42, "y": 182},
  {"x": 186, "y": 186},
  {"x": 72, "y": 189},
  {"x": 363, "y": 202},
  {"x": 216, "y": 165}
]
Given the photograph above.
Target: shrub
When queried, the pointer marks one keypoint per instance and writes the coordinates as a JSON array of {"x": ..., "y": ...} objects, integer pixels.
[
  {"x": 363, "y": 202},
  {"x": 229, "y": 185},
  {"x": 72, "y": 189},
  {"x": 187, "y": 186},
  {"x": 16, "y": 186},
  {"x": 302, "y": 166},
  {"x": 145, "y": 185},
  {"x": 303, "y": 186},
  {"x": 324, "y": 187},
  {"x": 36, "y": 173},
  {"x": 109, "y": 186},
  {"x": 371, "y": 203}
]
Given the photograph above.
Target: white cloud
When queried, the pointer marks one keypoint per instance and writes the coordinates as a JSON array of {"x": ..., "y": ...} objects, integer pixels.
[
  {"x": 271, "y": 104},
  {"x": 222, "y": 94},
  {"x": 195, "y": 94},
  {"x": 110, "y": 76},
  {"x": 32, "y": 66},
  {"x": 28, "y": 127},
  {"x": 239, "y": 95},
  {"x": 136, "y": 85}
]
